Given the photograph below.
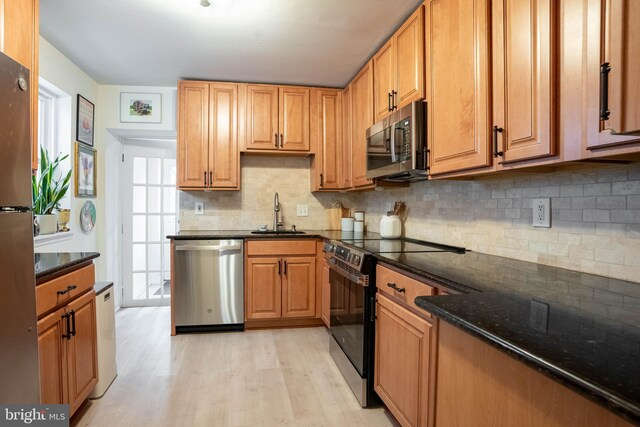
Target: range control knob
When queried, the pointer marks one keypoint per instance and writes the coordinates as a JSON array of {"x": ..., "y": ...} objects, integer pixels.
[{"x": 356, "y": 259}]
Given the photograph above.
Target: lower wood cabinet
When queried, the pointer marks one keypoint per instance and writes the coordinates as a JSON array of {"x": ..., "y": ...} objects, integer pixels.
[
  {"x": 67, "y": 348},
  {"x": 280, "y": 280},
  {"x": 402, "y": 362}
]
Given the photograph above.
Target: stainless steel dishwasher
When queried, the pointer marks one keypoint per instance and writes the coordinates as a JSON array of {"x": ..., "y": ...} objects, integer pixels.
[{"x": 209, "y": 285}]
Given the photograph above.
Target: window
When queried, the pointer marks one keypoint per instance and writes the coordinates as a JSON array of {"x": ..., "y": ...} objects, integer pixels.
[{"x": 54, "y": 117}]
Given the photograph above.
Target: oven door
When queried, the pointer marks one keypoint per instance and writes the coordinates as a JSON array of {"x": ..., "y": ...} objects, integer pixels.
[{"x": 349, "y": 318}]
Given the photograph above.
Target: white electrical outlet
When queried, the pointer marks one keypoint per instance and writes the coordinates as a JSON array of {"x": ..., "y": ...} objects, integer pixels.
[
  {"x": 541, "y": 212},
  {"x": 302, "y": 210},
  {"x": 199, "y": 208}
]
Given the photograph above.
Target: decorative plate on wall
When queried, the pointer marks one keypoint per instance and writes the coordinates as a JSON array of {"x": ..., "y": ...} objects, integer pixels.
[{"x": 87, "y": 216}]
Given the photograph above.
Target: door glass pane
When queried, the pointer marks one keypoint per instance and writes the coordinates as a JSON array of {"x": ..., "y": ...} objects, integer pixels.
[
  {"x": 169, "y": 200},
  {"x": 139, "y": 257},
  {"x": 154, "y": 228},
  {"x": 139, "y": 199},
  {"x": 139, "y": 286},
  {"x": 155, "y": 285},
  {"x": 139, "y": 228},
  {"x": 154, "y": 170},
  {"x": 169, "y": 172},
  {"x": 139, "y": 170},
  {"x": 166, "y": 255},
  {"x": 154, "y": 199},
  {"x": 169, "y": 225},
  {"x": 155, "y": 260}
]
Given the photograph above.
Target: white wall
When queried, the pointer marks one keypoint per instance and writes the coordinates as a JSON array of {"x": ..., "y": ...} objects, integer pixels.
[{"x": 66, "y": 76}]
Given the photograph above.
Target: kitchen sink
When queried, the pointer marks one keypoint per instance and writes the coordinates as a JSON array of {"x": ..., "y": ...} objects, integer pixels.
[{"x": 278, "y": 232}]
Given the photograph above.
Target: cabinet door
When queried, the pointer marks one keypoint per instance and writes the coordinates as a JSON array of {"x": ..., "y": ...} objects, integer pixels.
[
  {"x": 327, "y": 132},
  {"x": 262, "y": 117},
  {"x": 523, "y": 78},
  {"x": 294, "y": 118},
  {"x": 403, "y": 342},
  {"x": 52, "y": 357},
  {"x": 224, "y": 160},
  {"x": 193, "y": 134},
  {"x": 384, "y": 74},
  {"x": 362, "y": 119},
  {"x": 457, "y": 33},
  {"x": 299, "y": 287},
  {"x": 618, "y": 43},
  {"x": 19, "y": 39},
  {"x": 326, "y": 294},
  {"x": 82, "y": 359},
  {"x": 409, "y": 60},
  {"x": 347, "y": 137},
  {"x": 263, "y": 288}
]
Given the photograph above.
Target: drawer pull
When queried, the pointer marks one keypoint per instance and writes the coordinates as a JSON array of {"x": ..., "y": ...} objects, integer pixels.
[
  {"x": 395, "y": 287},
  {"x": 73, "y": 323},
  {"x": 69, "y": 289},
  {"x": 67, "y": 317}
]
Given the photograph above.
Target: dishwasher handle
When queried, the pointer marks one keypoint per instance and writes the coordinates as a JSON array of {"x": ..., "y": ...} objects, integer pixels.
[{"x": 208, "y": 248}]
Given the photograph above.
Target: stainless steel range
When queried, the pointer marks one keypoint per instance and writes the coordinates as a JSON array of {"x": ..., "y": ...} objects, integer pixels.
[{"x": 352, "y": 265}]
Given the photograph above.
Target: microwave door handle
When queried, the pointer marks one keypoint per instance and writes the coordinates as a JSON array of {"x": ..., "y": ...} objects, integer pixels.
[{"x": 393, "y": 144}]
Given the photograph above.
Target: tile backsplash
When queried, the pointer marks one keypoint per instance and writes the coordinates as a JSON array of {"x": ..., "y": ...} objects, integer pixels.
[
  {"x": 262, "y": 177},
  {"x": 595, "y": 211},
  {"x": 595, "y": 217}
]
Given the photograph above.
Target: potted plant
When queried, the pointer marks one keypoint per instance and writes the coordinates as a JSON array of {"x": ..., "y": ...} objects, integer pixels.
[{"x": 48, "y": 191}]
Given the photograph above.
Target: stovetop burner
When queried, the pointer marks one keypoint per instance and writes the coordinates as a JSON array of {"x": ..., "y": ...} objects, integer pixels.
[{"x": 354, "y": 249}]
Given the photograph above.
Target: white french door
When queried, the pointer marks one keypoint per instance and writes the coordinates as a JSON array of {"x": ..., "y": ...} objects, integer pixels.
[{"x": 148, "y": 215}]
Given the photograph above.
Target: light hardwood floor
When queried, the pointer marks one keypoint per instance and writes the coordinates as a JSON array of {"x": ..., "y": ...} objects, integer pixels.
[{"x": 281, "y": 377}]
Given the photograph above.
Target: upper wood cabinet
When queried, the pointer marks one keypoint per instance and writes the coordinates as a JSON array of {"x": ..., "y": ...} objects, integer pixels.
[
  {"x": 326, "y": 137},
  {"x": 277, "y": 118},
  {"x": 361, "y": 120},
  {"x": 492, "y": 78},
  {"x": 347, "y": 137},
  {"x": 399, "y": 67},
  {"x": 208, "y": 154},
  {"x": 458, "y": 88},
  {"x": 613, "y": 77},
  {"x": 524, "y": 76},
  {"x": 19, "y": 39}
]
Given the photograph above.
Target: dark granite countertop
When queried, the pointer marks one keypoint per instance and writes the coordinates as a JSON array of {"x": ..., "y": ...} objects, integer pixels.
[
  {"x": 582, "y": 330},
  {"x": 247, "y": 234},
  {"x": 48, "y": 264}
]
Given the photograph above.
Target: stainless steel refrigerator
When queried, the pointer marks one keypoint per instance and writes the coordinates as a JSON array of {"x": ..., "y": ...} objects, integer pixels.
[{"x": 19, "y": 372}]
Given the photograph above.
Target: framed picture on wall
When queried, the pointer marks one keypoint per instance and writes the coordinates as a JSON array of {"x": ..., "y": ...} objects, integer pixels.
[
  {"x": 84, "y": 121},
  {"x": 140, "y": 107},
  {"x": 85, "y": 166}
]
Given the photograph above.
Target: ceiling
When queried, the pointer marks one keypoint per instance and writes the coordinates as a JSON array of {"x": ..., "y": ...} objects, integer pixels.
[{"x": 157, "y": 42}]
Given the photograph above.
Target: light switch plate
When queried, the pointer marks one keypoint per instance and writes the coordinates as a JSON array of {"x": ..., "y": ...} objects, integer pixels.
[
  {"x": 302, "y": 210},
  {"x": 199, "y": 208},
  {"x": 541, "y": 212}
]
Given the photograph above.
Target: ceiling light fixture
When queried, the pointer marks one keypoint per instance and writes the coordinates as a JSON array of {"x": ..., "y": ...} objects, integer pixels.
[{"x": 205, "y": 3}]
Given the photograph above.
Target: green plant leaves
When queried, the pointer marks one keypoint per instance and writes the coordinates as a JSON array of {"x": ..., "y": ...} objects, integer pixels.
[{"x": 47, "y": 190}]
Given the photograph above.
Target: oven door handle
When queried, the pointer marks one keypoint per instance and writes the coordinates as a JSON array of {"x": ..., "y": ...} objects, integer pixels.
[{"x": 345, "y": 274}]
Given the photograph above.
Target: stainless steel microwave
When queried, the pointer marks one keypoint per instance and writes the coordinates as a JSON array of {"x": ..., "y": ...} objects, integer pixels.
[{"x": 397, "y": 145}]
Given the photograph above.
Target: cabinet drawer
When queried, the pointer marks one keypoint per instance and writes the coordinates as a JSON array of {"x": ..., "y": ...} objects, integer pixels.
[
  {"x": 47, "y": 296},
  {"x": 411, "y": 288},
  {"x": 281, "y": 247}
]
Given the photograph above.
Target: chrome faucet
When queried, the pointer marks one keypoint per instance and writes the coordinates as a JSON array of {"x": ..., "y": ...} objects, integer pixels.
[{"x": 276, "y": 209}]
